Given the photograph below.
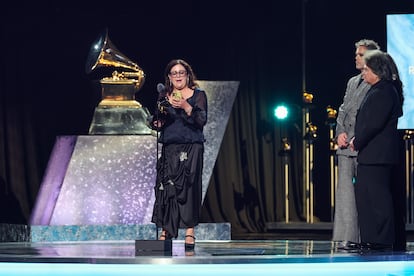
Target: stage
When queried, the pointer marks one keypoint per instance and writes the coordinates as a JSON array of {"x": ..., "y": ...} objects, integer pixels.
[{"x": 232, "y": 257}]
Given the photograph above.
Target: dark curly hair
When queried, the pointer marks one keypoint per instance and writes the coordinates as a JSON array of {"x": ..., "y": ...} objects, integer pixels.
[
  {"x": 190, "y": 74},
  {"x": 384, "y": 66}
]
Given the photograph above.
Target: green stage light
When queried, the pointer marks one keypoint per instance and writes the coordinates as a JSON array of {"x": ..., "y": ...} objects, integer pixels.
[{"x": 281, "y": 112}]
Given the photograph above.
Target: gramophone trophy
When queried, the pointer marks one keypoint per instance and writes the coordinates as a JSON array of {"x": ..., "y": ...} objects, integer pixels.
[{"x": 118, "y": 112}]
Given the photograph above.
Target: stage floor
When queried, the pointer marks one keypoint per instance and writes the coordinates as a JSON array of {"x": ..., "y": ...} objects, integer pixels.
[{"x": 235, "y": 257}]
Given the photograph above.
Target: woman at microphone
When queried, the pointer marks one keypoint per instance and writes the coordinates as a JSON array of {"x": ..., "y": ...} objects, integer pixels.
[{"x": 180, "y": 118}]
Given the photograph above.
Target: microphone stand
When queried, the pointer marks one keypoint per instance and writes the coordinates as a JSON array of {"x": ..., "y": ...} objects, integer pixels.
[
  {"x": 155, "y": 247},
  {"x": 158, "y": 110},
  {"x": 158, "y": 152}
]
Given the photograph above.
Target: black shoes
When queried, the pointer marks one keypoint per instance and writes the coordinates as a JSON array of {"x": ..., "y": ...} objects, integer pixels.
[
  {"x": 364, "y": 247},
  {"x": 189, "y": 246},
  {"x": 368, "y": 247},
  {"x": 349, "y": 246}
]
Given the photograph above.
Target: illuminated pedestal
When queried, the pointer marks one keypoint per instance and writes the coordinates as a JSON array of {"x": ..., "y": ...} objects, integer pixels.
[{"x": 98, "y": 180}]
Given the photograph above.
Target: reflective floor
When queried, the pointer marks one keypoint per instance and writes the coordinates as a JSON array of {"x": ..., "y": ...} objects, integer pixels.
[
  {"x": 290, "y": 257},
  {"x": 205, "y": 251}
]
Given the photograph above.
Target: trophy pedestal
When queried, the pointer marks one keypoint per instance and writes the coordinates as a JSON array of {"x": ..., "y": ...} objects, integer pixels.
[
  {"x": 119, "y": 120},
  {"x": 118, "y": 112}
]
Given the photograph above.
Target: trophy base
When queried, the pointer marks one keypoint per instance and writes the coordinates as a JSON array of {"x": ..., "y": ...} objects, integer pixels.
[
  {"x": 106, "y": 103},
  {"x": 120, "y": 120}
]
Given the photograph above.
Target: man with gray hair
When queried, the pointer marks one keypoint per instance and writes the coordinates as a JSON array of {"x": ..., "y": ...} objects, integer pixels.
[{"x": 345, "y": 227}]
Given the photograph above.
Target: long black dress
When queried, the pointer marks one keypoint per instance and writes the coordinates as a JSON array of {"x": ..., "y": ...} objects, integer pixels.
[{"x": 178, "y": 189}]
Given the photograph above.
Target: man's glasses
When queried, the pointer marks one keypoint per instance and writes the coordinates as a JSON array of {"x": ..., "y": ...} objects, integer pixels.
[{"x": 178, "y": 73}]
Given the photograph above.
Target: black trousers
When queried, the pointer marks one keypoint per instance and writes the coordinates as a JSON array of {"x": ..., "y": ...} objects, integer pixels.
[{"x": 375, "y": 206}]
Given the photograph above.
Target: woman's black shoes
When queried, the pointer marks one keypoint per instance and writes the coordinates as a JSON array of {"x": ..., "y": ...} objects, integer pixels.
[
  {"x": 165, "y": 236},
  {"x": 189, "y": 246}
]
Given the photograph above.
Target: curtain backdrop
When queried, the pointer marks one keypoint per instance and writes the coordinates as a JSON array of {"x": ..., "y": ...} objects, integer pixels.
[
  {"x": 44, "y": 91},
  {"x": 247, "y": 187}
]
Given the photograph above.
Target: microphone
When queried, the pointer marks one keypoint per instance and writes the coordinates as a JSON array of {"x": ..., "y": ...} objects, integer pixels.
[
  {"x": 160, "y": 88},
  {"x": 163, "y": 104}
]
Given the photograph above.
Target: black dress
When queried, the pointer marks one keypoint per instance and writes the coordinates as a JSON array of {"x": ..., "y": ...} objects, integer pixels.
[{"x": 178, "y": 189}]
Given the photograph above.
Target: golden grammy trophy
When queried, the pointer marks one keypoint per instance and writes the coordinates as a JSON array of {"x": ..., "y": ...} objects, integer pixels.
[{"x": 118, "y": 112}]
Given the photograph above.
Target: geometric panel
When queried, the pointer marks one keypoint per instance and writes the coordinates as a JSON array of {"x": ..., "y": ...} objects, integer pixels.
[
  {"x": 220, "y": 99},
  {"x": 109, "y": 180}
]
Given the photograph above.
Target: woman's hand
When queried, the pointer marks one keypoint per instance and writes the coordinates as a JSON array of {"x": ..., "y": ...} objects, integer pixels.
[
  {"x": 180, "y": 103},
  {"x": 158, "y": 123}
]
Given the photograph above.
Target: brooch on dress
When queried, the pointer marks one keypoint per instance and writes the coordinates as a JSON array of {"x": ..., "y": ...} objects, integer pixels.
[{"x": 183, "y": 156}]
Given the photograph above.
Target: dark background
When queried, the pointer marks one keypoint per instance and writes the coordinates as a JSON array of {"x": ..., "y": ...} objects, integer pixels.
[{"x": 276, "y": 49}]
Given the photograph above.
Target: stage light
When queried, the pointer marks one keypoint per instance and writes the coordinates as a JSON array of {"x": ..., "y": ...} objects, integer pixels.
[{"x": 281, "y": 112}]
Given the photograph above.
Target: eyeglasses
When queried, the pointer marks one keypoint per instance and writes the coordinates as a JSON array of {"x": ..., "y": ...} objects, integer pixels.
[{"x": 178, "y": 73}]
